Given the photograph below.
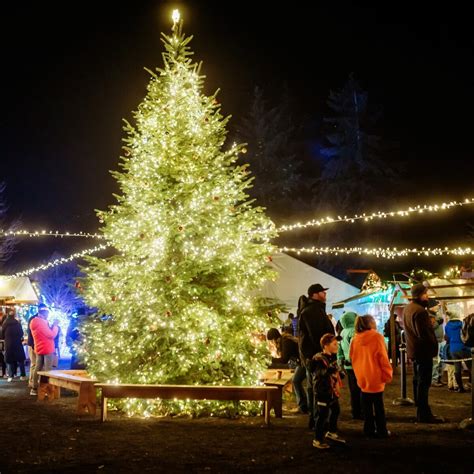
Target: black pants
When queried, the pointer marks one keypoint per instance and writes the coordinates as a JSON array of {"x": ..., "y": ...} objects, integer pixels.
[
  {"x": 13, "y": 369},
  {"x": 422, "y": 375},
  {"x": 374, "y": 414},
  {"x": 326, "y": 418},
  {"x": 355, "y": 394}
]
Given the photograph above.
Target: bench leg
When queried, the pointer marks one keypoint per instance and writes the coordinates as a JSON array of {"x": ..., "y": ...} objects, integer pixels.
[
  {"x": 87, "y": 400},
  {"x": 277, "y": 403},
  {"x": 46, "y": 391},
  {"x": 266, "y": 408},
  {"x": 103, "y": 409}
]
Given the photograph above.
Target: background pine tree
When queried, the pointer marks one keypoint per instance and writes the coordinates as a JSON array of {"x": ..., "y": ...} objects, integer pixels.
[{"x": 177, "y": 303}]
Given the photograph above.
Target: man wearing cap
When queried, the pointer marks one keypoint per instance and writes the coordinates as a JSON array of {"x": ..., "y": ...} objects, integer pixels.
[
  {"x": 313, "y": 325},
  {"x": 422, "y": 347}
]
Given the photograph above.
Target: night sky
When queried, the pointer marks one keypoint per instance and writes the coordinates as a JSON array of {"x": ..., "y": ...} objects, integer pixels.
[{"x": 71, "y": 71}]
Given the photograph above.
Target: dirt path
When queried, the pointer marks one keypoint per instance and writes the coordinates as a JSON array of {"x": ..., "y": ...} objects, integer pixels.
[{"x": 50, "y": 438}]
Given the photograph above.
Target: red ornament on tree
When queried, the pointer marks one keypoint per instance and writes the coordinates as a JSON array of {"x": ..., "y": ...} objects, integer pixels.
[{"x": 270, "y": 258}]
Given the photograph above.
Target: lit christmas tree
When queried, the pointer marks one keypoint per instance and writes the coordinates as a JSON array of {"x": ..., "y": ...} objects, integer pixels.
[{"x": 178, "y": 302}]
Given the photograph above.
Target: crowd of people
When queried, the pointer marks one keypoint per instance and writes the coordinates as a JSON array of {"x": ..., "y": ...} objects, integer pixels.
[
  {"x": 324, "y": 353},
  {"x": 41, "y": 342}
]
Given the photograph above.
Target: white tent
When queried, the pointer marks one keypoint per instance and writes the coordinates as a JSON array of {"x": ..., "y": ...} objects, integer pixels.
[
  {"x": 294, "y": 279},
  {"x": 17, "y": 290}
]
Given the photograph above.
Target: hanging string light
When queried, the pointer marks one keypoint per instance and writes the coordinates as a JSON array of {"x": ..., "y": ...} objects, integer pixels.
[
  {"x": 389, "y": 253},
  {"x": 49, "y": 233},
  {"x": 419, "y": 209},
  {"x": 60, "y": 261},
  {"x": 378, "y": 252}
]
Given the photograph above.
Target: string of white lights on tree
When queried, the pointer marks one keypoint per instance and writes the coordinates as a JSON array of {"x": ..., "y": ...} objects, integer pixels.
[{"x": 418, "y": 209}]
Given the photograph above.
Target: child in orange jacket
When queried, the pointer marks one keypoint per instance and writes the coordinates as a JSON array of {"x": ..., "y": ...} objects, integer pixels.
[{"x": 372, "y": 368}]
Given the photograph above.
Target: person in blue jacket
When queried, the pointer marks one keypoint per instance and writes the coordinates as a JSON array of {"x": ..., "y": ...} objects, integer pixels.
[{"x": 457, "y": 348}]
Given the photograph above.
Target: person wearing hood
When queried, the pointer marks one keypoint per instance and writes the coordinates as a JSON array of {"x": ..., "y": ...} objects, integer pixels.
[
  {"x": 343, "y": 356},
  {"x": 313, "y": 325},
  {"x": 372, "y": 368},
  {"x": 422, "y": 347},
  {"x": 457, "y": 349}
]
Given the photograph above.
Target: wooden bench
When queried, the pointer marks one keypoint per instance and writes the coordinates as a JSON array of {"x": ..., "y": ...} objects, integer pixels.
[
  {"x": 280, "y": 379},
  {"x": 268, "y": 395},
  {"x": 50, "y": 384}
]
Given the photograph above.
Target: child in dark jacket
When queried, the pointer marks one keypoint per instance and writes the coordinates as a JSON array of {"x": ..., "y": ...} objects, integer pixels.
[{"x": 326, "y": 387}]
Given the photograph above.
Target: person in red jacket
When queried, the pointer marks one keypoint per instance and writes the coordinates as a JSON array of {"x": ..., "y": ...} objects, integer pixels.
[
  {"x": 43, "y": 337},
  {"x": 372, "y": 368}
]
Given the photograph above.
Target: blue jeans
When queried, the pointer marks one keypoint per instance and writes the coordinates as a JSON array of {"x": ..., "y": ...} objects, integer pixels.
[
  {"x": 297, "y": 380},
  {"x": 310, "y": 394},
  {"x": 43, "y": 362},
  {"x": 437, "y": 366}
]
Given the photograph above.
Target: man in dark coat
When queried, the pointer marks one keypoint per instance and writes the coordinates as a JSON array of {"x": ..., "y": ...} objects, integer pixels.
[
  {"x": 312, "y": 326},
  {"x": 14, "y": 353},
  {"x": 422, "y": 346}
]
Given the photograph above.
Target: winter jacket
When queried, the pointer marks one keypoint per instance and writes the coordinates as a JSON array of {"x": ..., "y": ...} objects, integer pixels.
[
  {"x": 453, "y": 336},
  {"x": 326, "y": 379},
  {"x": 31, "y": 341},
  {"x": 288, "y": 349},
  {"x": 313, "y": 325},
  {"x": 370, "y": 362},
  {"x": 13, "y": 337},
  {"x": 347, "y": 322},
  {"x": 419, "y": 332},
  {"x": 43, "y": 336}
]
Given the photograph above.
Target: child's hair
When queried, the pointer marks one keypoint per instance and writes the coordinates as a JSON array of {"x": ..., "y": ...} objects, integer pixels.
[
  {"x": 273, "y": 334},
  {"x": 327, "y": 339},
  {"x": 364, "y": 323}
]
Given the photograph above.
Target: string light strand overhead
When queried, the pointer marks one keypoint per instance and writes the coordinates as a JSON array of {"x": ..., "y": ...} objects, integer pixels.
[
  {"x": 49, "y": 233},
  {"x": 59, "y": 261},
  {"x": 418, "y": 209},
  {"x": 378, "y": 252}
]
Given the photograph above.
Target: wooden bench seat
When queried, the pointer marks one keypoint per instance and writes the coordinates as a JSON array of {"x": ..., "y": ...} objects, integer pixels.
[
  {"x": 268, "y": 395},
  {"x": 50, "y": 384}
]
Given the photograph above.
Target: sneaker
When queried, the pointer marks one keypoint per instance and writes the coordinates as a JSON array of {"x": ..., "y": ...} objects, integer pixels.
[
  {"x": 22, "y": 378},
  {"x": 10, "y": 379},
  {"x": 33, "y": 391},
  {"x": 335, "y": 437},
  {"x": 388, "y": 434},
  {"x": 320, "y": 444},
  {"x": 437, "y": 384}
]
